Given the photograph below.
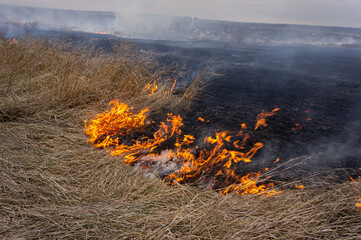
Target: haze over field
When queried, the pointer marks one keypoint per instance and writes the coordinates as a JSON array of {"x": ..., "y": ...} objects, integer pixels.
[{"x": 345, "y": 13}]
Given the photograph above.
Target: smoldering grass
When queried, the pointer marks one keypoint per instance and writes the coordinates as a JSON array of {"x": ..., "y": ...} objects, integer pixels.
[{"x": 56, "y": 186}]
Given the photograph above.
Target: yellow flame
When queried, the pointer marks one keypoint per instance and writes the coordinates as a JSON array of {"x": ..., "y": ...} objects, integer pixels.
[
  {"x": 214, "y": 161},
  {"x": 151, "y": 88}
]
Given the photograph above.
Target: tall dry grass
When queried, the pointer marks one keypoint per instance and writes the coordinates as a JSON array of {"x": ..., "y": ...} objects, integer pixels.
[
  {"x": 40, "y": 77},
  {"x": 56, "y": 186}
]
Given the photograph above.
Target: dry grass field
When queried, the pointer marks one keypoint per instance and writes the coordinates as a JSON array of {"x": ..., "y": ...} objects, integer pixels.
[{"x": 54, "y": 185}]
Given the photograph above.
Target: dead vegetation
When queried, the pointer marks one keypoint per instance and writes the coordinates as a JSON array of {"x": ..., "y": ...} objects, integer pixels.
[{"x": 56, "y": 186}]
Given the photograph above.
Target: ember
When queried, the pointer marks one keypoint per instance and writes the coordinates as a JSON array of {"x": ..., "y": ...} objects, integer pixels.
[
  {"x": 201, "y": 119},
  {"x": 261, "y": 118},
  {"x": 214, "y": 163}
]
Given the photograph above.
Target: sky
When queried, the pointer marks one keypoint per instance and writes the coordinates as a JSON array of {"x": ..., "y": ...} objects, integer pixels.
[{"x": 310, "y": 12}]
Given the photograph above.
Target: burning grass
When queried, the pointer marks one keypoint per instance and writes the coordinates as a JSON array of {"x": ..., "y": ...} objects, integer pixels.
[
  {"x": 214, "y": 164},
  {"x": 56, "y": 186}
]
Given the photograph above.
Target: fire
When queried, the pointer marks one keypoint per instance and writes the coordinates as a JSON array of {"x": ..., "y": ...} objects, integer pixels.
[
  {"x": 213, "y": 162},
  {"x": 151, "y": 88},
  {"x": 358, "y": 203},
  {"x": 101, "y": 33},
  {"x": 203, "y": 120},
  {"x": 296, "y": 127},
  {"x": 300, "y": 187},
  {"x": 261, "y": 118},
  {"x": 358, "y": 199},
  {"x": 119, "y": 121},
  {"x": 174, "y": 83}
]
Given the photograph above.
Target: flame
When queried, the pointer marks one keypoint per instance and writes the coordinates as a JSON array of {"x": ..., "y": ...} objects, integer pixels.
[
  {"x": 261, "y": 118},
  {"x": 151, "y": 88},
  {"x": 296, "y": 127},
  {"x": 174, "y": 83},
  {"x": 358, "y": 202},
  {"x": 300, "y": 187},
  {"x": 214, "y": 162},
  {"x": 277, "y": 160},
  {"x": 148, "y": 146},
  {"x": 118, "y": 121},
  {"x": 102, "y": 33},
  {"x": 201, "y": 119},
  {"x": 358, "y": 199}
]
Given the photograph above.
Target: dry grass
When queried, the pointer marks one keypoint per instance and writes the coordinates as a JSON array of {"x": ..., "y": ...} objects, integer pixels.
[
  {"x": 40, "y": 77},
  {"x": 56, "y": 186}
]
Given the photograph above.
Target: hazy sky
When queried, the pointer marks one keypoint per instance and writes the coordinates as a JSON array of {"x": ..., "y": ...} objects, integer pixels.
[{"x": 314, "y": 12}]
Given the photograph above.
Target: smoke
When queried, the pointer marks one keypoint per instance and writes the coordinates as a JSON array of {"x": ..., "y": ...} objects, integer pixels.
[
  {"x": 152, "y": 26},
  {"x": 321, "y": 12},
  {"x": 15, "y": 19},
  {"x": 127, "y": 22}
]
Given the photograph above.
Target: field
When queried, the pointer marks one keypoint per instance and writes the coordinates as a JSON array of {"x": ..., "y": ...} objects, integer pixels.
[{"x": 54, "y": 185}]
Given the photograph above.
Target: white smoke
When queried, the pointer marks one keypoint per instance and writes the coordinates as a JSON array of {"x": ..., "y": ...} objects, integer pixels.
[{"x": 129, "y": 24}]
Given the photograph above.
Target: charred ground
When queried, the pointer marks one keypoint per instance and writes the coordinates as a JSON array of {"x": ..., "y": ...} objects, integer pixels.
[{"x": 318, "y": 90}]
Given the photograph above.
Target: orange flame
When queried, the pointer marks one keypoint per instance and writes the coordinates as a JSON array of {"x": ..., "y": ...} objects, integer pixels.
[
  {"x": 216, "y": 162},
  {"x": 174, "y": 83},
  {"x": 151, "y": 88},
  {"x": 261, "y": 118},
  {"x": 118, "y": 121},
  {"x": 296, "y": 127},
  {"x": 300, "y": 187},
  {"x": 358, "y": 202}
]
